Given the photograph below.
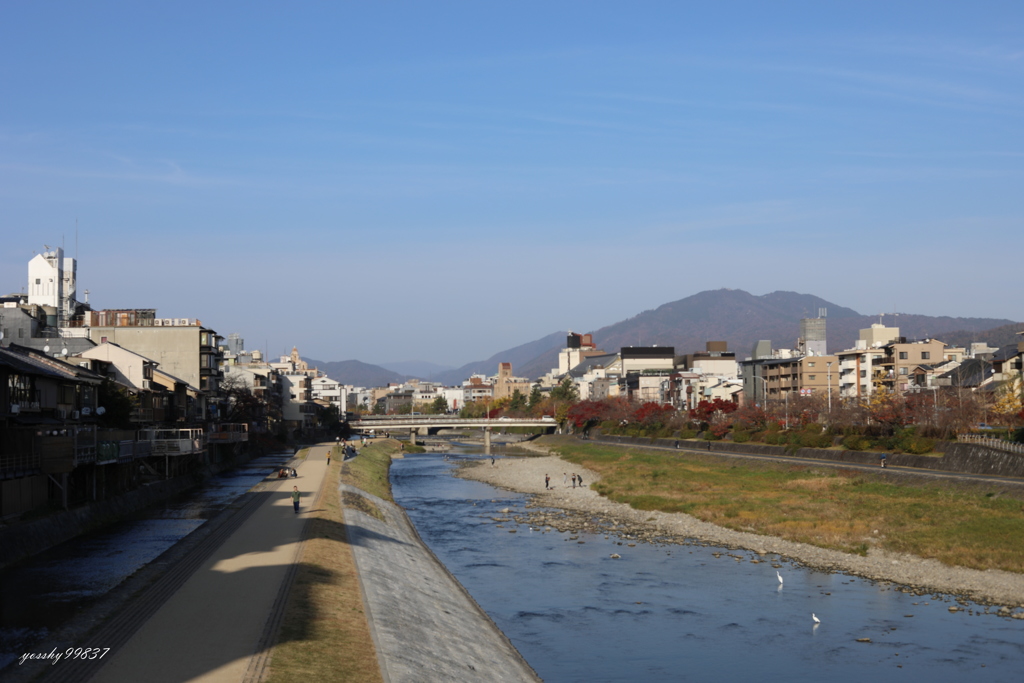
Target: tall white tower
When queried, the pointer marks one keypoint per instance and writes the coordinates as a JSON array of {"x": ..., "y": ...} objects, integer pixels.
[{"x": 52, "y": 281}]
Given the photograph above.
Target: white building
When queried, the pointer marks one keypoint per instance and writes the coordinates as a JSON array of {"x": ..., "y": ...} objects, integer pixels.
[
  {"x": 52, "y": 281},
  {"x": 333, "y": 392}
]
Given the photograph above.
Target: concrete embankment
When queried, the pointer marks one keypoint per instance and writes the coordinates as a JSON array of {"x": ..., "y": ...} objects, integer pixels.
[
  {"x": 426, "y": 627},
  {"x": 964, "y": 458}
]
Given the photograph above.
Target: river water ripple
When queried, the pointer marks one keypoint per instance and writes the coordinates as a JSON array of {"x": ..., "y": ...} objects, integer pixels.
[{"x": 678, "y": 612}]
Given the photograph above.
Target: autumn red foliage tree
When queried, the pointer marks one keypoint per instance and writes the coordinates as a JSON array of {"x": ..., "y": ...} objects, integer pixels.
[{"x": 705, "y": 410}]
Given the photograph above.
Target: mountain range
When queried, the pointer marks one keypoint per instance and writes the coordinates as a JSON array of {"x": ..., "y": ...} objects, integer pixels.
[{"x": 729, "y": 315}]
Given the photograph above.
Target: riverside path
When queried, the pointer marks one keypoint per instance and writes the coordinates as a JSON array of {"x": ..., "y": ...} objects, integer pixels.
[{"x": 213, "y": 616}]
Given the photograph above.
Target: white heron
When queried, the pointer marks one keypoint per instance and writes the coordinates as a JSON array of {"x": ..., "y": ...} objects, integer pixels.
[
  {"x": 816, "y": 619},
  {"x": 778, "y": 575}
]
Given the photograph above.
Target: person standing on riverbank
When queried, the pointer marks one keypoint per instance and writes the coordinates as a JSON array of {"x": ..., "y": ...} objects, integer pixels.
[
  {"x": 295, "y": 498},
  {"x": 547, "y": 482},
  {"x": 565, "y": 480}
]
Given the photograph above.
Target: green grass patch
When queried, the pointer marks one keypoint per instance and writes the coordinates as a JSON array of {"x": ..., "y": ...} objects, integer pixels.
[{"x": 369, "y": 470}]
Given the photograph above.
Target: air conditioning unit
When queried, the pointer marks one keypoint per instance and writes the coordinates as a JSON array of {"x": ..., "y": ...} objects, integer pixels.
[
  {"x": 15, "y": 409},
  {"x": 86, "y": 410},
  {"x": 183, "y": 321},
  {"x": 168, "y": 322},
  {"x": 74, "y": 414},
  {"x": 158, "y": 322},
  {"x": 62, "y": 414}
]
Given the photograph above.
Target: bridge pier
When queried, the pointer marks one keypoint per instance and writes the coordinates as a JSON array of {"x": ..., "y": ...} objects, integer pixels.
[
  {"x": 412, "y": 435},
  {"x": 487, "y": 440}
]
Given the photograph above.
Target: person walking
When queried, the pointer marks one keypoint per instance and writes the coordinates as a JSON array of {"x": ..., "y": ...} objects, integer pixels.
[
  {"x": 547, "y": 482},
  {"x": 574, "y": 480},
  {"x": 881, "y": 458},
  {"x": 565, "y": 480},
  {"x": 295, "y": 498},
  {"x": 328, "y": 457},
  {"x": 579, "y": 480}
]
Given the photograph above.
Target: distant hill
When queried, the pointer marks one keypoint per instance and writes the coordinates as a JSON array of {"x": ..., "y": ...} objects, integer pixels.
[
  {"x": 741, "y": 319},
  {"x": 1004, "y": 335},
  {"x": 520, "y": 357},
  {"x": 417, "y": 368},
  {"x": 730, "y": 315},
  {"x": 356, "y": 372}
]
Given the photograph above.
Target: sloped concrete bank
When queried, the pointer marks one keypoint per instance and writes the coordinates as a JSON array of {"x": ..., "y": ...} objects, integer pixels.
[
  {"x": 425, "y": 626},
  {"x": 965, "y": 458}
]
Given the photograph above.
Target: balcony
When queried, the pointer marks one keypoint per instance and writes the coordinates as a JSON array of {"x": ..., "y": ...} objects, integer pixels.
[
  {"x": 230, "y": 433},
  {"x": 174, "y": 442}
]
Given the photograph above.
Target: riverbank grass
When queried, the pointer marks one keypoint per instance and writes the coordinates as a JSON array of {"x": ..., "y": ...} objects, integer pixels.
[
  {"x": 847, "y": 510},
  {"x": 324, "y": 632}
]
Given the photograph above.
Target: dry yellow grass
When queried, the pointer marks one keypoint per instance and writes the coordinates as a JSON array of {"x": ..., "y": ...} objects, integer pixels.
[
  {"x": 844, "y": 509},
  {"x": 324, "y": 634}
]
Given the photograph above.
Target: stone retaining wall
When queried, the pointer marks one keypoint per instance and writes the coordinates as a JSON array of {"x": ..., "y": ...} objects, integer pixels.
[
  {"x": 967, "y": 458},
  {"x": 29, "y": 538}
]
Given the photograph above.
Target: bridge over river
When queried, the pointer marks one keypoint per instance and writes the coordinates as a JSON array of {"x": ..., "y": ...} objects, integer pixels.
[{"x": 430, "y": 424}]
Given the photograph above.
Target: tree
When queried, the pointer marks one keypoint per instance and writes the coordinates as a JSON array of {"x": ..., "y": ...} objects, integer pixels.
[
  {"x": 536, "y": 397},
  {"x": 517, "y": 403},
  {"x": 566, "y": 391},
  {"x": 117, "y": 405},
  {"x": 439, "y": 406}
]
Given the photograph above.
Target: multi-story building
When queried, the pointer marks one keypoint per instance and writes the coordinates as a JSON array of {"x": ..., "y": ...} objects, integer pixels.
[
  {"x": 182, "y": 346},
  {"x": 505, "y": 384},
  {"x": 894, "y": 372},
  {"x": 782, "y": 378},
  {"x": 715, "y": 360}
]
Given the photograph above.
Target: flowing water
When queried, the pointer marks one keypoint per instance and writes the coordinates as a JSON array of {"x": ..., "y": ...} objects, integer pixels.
[
  {"x": 40, "y": 594},
  {"x": 678, "y": 612}
]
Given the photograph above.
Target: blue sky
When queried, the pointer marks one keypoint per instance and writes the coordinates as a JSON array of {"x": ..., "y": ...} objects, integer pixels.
[{"x": 440, "y": 181}]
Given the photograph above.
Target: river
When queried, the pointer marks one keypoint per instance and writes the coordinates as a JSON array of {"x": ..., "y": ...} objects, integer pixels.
[{"x": 679, "y": 612}]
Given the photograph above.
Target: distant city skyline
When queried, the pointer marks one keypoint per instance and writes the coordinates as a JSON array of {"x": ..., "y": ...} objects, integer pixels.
[{"x": 440, "y": 182}]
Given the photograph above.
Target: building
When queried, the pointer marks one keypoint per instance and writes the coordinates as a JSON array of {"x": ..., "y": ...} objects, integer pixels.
[
  {"x": 894, "y": 372},
  {"x": 183, "y": 347},
  {"x": 505, "y": 385},
  {"x": 813, "y": 340},
  {"x": 784, "y": 378},
  {"x": 715, "y": 360}
]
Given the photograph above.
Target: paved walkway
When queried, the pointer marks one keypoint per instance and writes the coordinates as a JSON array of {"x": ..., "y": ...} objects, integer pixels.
[{"x": 218, "y": 624}]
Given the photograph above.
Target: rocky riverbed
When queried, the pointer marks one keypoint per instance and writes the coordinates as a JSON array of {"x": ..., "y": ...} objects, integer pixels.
[{"x": 582, "y": 510}]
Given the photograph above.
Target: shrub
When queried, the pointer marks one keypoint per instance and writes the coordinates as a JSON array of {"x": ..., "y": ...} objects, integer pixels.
[
  {"x": 687, "y": 434},
  {"x": 856, "y": 442},
  {"x": 813, "y": 428},
  {"x": 740, "y": 436}
]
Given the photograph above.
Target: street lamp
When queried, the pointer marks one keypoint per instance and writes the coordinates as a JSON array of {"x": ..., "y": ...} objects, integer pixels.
[{"x": 829, "y": 366}]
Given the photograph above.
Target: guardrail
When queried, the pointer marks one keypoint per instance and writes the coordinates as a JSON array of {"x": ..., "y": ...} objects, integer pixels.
[
  {"x": 174, "y": 441},
  {"x": 998, "y": 444},
  {"x": 230, "y": 433}
]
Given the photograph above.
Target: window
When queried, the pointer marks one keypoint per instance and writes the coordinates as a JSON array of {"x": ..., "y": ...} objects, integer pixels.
[
  {"x": 925, "y": 355},
  {"x": 903, "y": 371},
  {"x": 903, "y": 355},
  {"x": 811, "y": 364},
  {"x": 38, "y": 281},
  {"x": 812, "y": 377},
  {"x": 951, "y": 357},
  {"x": 863, "y": 373}
]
